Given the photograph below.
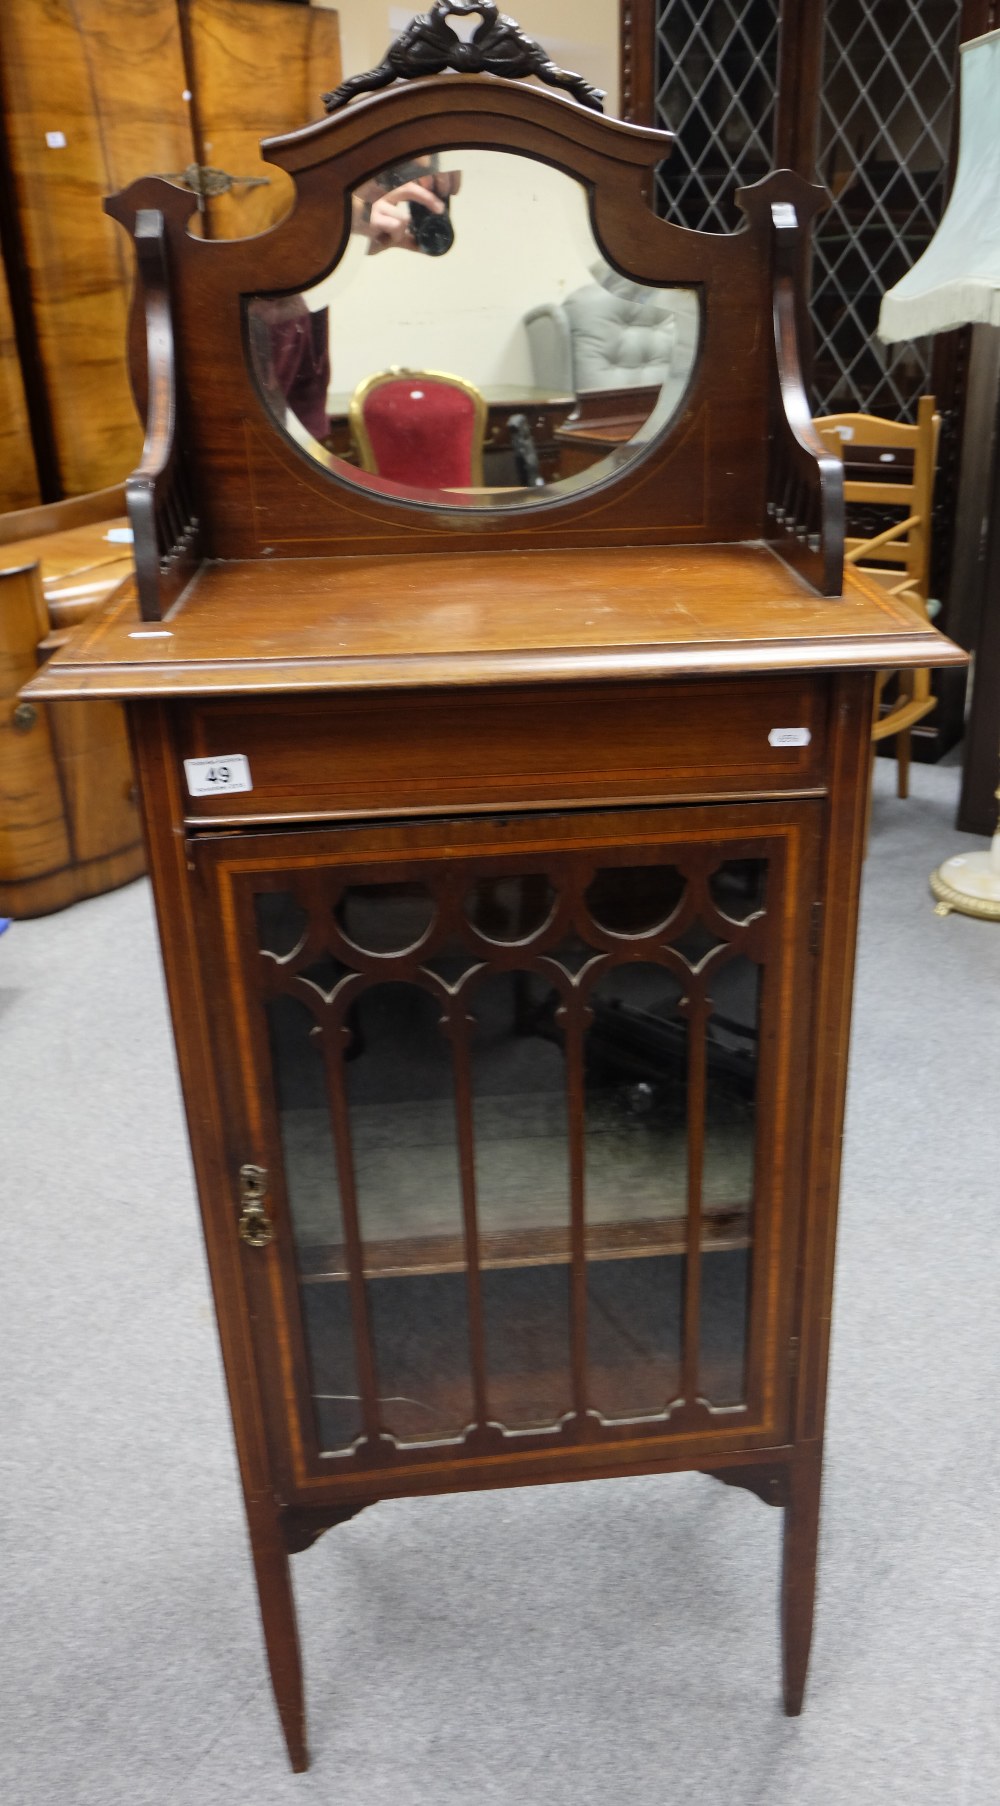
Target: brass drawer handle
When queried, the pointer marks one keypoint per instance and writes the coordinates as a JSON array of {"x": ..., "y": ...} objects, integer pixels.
[{"x": 255, "y": 1226}]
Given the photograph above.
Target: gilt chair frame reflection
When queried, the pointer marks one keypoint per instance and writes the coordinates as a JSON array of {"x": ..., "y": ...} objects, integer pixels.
[{"x": 359, "y": 427}]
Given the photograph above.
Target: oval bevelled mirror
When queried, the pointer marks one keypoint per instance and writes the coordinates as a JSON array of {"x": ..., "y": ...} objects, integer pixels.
[{"x": 472, "y": 344}]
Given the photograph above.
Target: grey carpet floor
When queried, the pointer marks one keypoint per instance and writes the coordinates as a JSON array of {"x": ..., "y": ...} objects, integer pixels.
[{"x": 609, "y": 1642}]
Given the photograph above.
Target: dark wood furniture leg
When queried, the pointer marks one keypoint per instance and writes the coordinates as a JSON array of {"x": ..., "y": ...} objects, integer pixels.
[
  {"x": 798, "y": 1581},
  {"x": 163, "y": 818},
  {"x": 281, "y": 1631}
]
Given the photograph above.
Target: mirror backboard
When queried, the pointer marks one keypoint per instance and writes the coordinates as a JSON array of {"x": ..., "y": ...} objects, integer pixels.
[{"x": 472, "y": 342}]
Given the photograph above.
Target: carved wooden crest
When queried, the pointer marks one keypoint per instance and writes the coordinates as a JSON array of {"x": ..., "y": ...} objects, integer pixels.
[{"x": 498, "y": 46}]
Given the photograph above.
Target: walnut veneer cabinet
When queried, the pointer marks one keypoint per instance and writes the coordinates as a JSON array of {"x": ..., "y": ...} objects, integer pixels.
[{"x": 506, "y": 848}]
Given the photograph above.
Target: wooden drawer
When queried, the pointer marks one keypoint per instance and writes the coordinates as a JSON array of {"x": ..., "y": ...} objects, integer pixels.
[{"x": 342, "y": 755}]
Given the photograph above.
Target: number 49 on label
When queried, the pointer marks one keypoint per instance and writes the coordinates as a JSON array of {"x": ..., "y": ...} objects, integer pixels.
[{"x": 218, "y": 777}]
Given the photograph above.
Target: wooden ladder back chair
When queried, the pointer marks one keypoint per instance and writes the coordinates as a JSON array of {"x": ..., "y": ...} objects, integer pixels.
[{"x": 898, "y": 558}]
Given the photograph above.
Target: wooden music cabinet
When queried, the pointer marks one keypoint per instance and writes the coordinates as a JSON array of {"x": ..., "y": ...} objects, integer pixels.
[{"x": 506, "y": 849}]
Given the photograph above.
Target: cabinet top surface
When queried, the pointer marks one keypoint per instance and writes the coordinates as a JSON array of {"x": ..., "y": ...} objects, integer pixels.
[{"x": 506, "y": 617}]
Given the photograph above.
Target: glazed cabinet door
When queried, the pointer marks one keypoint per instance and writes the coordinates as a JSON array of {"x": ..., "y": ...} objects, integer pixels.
[{"x": 529, "y": 1098}]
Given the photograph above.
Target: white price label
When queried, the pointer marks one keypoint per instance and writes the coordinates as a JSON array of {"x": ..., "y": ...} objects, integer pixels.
[
  {"x": 789, "y": 736},
  {"x": 218, "y": 777}
]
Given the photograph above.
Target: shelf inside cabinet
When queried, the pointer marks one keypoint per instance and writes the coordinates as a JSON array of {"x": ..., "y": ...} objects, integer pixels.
[
  {"x": 424, "y": 1341},
  {"x": 642, "y": 1239}
]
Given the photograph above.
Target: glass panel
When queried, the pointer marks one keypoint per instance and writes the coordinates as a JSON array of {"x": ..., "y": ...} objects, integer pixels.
[
  {"x": 310, "y": 1167},
  {"x": 509, "y": 909},
  {"x": 717, "y": 73},
  {"x": 314, "y": 1202},
  {"x": 725, "y": 1299},
  {"x": 400, "y": 1091},
  {"x": 636, "y": 1077},
  {"x": 399, "y": 1075},
  {"x": 526, "y": 1321},
  {"x": 385, "y": 918},
  {"x": 572, "y": 954},
  {"x": 731, "y": 1061},
  {"x": 451, "y": 960},
  {"x": 634, "y": 899},
  {"x": 634, "y": 1335},
  {"x": 492, "y": 359},
  {"x": 731, "y": 1083},
  {"x": 738, "y": 888},
  {"x": 522, "y": 1190},
  {"x": 888, "y": 92},
  {"x": 696, "y": 943},
  {"x": 281, "y": 923},
  {"x": 325, "y": 973},
  {"x": 330, "y": 1341}
]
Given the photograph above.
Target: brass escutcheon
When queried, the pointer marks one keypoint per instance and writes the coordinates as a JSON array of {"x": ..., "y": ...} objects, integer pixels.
[{"x": 255, "y": 1226}]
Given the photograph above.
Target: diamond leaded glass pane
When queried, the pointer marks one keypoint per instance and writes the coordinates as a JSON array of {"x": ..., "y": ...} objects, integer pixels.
[
  {"x": 885, "y": 124},
  {"x": 717, "y": 71}
]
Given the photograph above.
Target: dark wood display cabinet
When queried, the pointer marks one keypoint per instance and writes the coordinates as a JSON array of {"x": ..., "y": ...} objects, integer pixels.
[{"x": 506, "y": 848}]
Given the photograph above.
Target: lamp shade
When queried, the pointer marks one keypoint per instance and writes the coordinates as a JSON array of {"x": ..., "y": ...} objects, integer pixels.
[{"x": 957, "y": 280}]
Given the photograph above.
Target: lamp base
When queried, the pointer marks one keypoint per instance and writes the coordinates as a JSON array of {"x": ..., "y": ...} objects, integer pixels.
[{"x": 969, "y": 882}]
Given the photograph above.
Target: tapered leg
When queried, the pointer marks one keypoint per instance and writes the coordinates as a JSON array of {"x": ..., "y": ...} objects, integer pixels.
[
  {"x": 281, "y": 1631},
  {"x": 798, "y": 1584},
  {"x": 904, "y": 743}
]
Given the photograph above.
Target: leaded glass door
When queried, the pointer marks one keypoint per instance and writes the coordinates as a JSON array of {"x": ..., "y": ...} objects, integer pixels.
[
  {"x": 528, "y": 1098},
  {"x": 887, "y": 93},
  {"x": 872, "y": 89},
  {"x": 716, "y": 86}
]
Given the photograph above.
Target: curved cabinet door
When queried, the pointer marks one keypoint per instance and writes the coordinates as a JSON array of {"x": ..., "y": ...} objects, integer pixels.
[{"x": 529, "y": 1095}]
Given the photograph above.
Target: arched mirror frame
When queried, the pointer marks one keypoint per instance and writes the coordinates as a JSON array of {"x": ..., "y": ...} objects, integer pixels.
[
  {"x": 211, "y": 436},
  {"x": 376, "y": 290}
]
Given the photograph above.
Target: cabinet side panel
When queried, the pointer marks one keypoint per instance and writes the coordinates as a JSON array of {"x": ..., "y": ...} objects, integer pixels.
[
  {"x": 162, "y": 816},
  {"x": 154, "y": 757},
  {"x": 850, "y": 767}
]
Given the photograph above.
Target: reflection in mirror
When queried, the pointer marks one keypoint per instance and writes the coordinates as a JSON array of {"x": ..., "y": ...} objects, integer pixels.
[{"x": 472, "y": 343}]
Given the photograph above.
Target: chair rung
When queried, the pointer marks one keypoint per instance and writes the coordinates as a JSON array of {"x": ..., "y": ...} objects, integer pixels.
[
  {"x": 899, "y": 719},
  {"x": 877, "y": 495},
  {"x": 871, "y": 546}
]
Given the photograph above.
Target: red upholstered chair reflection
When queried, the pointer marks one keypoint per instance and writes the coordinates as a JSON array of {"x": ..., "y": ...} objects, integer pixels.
[{"x": 420, "y": 427}]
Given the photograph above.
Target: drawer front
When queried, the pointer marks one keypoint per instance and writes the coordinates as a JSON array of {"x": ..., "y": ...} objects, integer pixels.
[{"x": 377, "y": 754}]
